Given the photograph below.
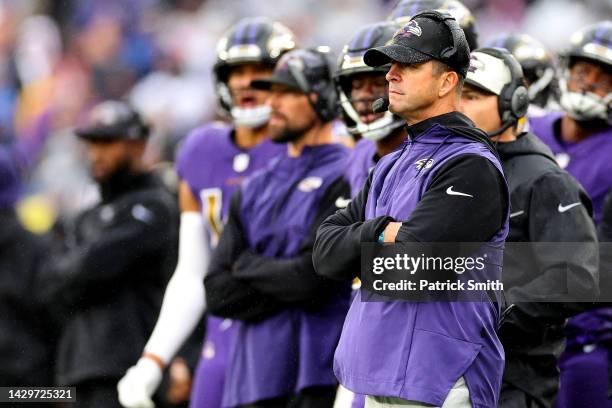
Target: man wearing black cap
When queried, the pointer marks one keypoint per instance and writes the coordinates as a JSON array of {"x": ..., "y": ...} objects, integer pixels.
[
  {"x": 109, "y": 277},
  {"x": 445, "y": 185},
  {"x": 261, "y": 274}
]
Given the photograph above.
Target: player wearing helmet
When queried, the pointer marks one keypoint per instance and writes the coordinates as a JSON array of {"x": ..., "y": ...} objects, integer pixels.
[
  {"x": 212, "y": 162},
  {"x": 547, "y": 205},
  {"x": 580, "y": 136},
  {"x": 358, "y": 86},
  {"x": 538, "y": 70},
  {"x": 581, "y": 139}
]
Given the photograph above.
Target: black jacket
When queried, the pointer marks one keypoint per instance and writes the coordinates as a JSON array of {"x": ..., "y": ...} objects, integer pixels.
[
  {"x": 543, "y": 201},
  {"x": 26, "y": 335},
  {"x": 337, "y": 249},
  {"x": 110, "y": 277}
]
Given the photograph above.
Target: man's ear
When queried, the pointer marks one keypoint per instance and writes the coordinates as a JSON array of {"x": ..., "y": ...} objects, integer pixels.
[{"x": 448, "y": 82}]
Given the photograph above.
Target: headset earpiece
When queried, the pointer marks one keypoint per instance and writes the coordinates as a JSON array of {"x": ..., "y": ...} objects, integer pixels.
[
  {"x": 514, "y": 97},
  {"x": 520, "y": 102}
]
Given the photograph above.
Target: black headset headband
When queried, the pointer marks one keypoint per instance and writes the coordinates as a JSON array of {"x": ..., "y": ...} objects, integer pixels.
[
  {"x": 514, "y": 98},
  {"x": 324, "y": 106},
  {"x": 452, "y": 25}
]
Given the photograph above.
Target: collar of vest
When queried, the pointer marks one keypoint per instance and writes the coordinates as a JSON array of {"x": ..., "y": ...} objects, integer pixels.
[
  {"x": 449, "y": 120},
  {"x": 457, "y": 123}
]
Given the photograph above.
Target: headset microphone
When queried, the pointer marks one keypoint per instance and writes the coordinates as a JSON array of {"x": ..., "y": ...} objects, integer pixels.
[{"x": 380, "y": 105}]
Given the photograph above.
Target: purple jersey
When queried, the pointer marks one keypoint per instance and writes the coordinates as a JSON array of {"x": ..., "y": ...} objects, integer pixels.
[
  {"x": 361, "y": 161},
  {"x": 588, "y": 160},
  {"x": 213, "y": 167}
]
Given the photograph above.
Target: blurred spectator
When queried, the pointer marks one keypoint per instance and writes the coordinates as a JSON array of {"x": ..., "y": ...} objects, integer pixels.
[
  {"x": 26, "y": 340},
  {"x": 107, "y": 278}
]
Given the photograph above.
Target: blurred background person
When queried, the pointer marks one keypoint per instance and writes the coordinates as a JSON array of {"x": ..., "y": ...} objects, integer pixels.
[
  {"x": 581, "y": 139},
  {"x": 539, "y": 70},
  {"x": 580, "y": 135},
  {"x": 106, "y": 278},
  {"x": 358, "y": 86},
  {"x": 212, "y": 163}
]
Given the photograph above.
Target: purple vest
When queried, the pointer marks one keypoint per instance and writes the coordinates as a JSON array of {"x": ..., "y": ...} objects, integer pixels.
[
  {"x": 359, "y": 165},
  {"x": 417, "y": 351},
  {"x": 213, "y": 166},
  {"x": 293, "y": 349},
  {"x": 588, "y": 160}
]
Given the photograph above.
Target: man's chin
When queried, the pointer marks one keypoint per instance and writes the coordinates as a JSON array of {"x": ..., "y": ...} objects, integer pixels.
[
  {"x": 99, "y": 176},
  {"x": 274, "y": 133},
  {"x": 99, "y": 179},
  {"x": 286, "y": 136},
  {"x": 393, "y": 108}
]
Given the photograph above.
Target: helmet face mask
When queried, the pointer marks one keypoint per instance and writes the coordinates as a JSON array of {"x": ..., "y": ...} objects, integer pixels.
[
  {"x": 247, "y": 105},
  {"x": 582, "y": 102},
  {"x": 354, "y": 109},
  {"x": 351, "y": 67},
  {"x": 590, "y": 49},
  {"x": 255, "y": 42},
  {"x": 586, "y": 106}
]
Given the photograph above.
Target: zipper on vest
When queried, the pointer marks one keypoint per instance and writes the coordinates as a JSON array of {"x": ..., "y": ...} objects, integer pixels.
[{"x": 389, "y": 184}]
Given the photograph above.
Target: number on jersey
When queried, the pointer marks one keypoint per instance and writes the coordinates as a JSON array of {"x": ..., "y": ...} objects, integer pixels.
[{"x": 212, "y": 203}]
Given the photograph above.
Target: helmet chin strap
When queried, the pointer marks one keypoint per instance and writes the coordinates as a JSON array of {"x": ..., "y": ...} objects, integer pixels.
[
  {"x": 541, "y": 84},
  {"x": 250, "y": 117}
]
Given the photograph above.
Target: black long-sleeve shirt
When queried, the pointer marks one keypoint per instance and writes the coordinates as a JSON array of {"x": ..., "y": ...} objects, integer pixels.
[{"x": 440, "y": 216}]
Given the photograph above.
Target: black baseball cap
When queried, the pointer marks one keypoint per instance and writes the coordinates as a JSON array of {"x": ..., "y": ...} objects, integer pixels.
[
  {"x": 111, "y": 120},
  {"x": 300, "y": 69},
  {"x": 430, "y": 35}
]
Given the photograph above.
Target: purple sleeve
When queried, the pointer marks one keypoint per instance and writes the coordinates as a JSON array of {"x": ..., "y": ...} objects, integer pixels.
[{"x": 186, "y": 155}]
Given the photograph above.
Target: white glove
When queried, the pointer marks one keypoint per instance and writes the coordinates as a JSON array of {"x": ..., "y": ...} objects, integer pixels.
[{"x": 139, "y": 383}]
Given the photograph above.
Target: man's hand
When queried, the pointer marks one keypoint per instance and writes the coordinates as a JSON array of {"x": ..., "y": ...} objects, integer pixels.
[
  {"x": 179, "y": 389},
  {"x": 391, "y": 231},
  {"x": 139, "y": 383}
]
